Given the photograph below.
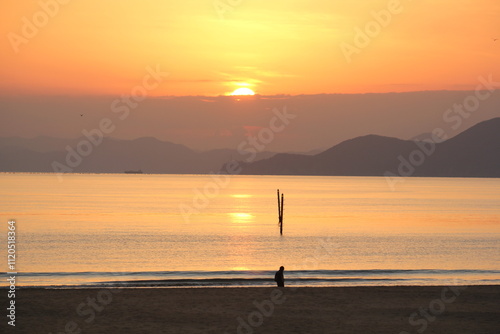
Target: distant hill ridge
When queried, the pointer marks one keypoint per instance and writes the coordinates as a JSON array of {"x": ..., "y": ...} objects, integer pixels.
[
  {"x": 112, "y": 156},
  {"x": 472, "y": 153}
]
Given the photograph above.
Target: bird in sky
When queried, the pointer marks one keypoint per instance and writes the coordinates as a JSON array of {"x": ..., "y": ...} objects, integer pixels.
[
  {"x": 495, "y": 39},
  {"x": 81, "y": 115}
]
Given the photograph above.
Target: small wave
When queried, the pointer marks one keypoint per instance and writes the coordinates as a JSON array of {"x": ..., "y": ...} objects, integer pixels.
[
  {"x": 259, "y": 278},
  {"x": 362, "y": 272}
]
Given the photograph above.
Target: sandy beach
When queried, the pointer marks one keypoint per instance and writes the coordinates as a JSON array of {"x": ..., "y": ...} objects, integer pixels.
[{"x": 398, "y": 310}]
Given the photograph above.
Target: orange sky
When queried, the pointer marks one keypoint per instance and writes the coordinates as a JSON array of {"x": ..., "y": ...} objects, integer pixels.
[{"x": 273, "y": 47}]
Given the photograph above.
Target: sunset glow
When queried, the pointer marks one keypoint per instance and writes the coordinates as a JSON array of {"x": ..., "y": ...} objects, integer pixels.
[
  {"x": 234, "y": 166},
  {"x": 91, "y": 47}
]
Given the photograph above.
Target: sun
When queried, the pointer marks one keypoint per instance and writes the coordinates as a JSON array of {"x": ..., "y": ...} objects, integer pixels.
[{"x": 243, "y": 91}]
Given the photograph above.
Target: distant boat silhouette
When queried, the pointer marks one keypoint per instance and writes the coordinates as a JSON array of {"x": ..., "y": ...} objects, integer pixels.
[{"x": 134, "y": 172}]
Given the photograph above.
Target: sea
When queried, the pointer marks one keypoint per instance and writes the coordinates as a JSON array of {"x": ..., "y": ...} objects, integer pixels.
[{"x": 141, "y": 230}]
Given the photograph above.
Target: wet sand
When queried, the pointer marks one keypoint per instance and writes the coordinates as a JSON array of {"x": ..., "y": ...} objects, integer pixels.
[{"x": 398, "y": 310}]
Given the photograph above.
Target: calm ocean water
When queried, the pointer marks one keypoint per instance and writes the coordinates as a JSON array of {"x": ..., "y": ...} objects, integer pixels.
[{"x": 196, "y": 230}]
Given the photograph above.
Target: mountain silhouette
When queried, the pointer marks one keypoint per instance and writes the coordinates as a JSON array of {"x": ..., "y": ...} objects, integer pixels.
[
  {"x": 112, "y": 156},
  {"x": 472, "y": 153}
]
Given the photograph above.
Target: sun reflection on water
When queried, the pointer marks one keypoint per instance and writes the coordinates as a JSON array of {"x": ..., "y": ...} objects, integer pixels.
[{"x": 241, "y": 195}]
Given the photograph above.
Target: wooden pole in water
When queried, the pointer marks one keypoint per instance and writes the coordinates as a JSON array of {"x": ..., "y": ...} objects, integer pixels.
[
  {"x": 279, "y": 207},
  {"x": 281, "y": 217},
  {"x": 280, "y": 211}
]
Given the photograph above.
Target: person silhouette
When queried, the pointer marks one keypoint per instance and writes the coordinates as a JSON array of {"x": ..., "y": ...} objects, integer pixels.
[{"x": 279, "y": 278}]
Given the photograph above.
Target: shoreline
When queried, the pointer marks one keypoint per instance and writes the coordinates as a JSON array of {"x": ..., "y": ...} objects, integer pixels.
[
  {"x": 367, "y": 309},
  {"x": 291, "y": 287},
  {"x": 262, "y": 278}
]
